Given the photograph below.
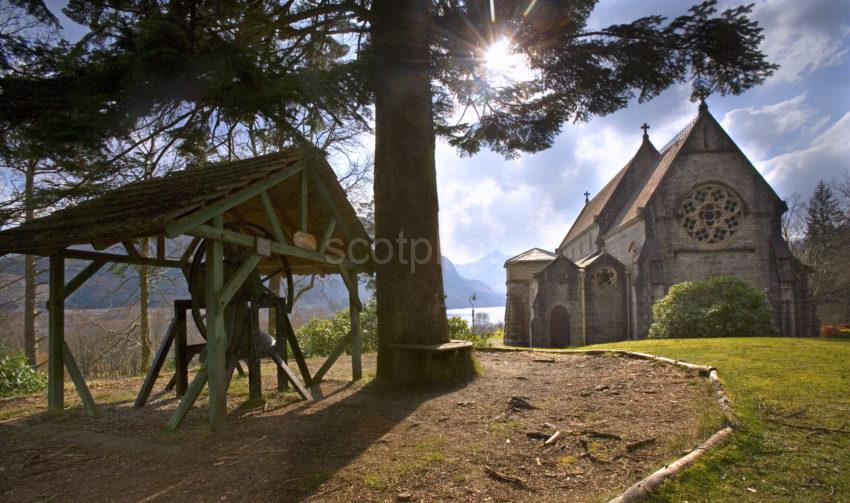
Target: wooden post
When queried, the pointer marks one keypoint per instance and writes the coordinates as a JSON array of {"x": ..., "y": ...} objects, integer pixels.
[
  {"x": 255, "y": 383},
  {"x": 216, "y": 335},
  {"x": 56, "y": 335},
  {"x": 279, "y": 312},
  {"x": 181, "y": 350},
  {"x": 356, "y": 331}
]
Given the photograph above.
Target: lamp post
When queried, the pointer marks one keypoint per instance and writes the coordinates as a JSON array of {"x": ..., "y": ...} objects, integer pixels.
[{"x": 472, "y": 299}]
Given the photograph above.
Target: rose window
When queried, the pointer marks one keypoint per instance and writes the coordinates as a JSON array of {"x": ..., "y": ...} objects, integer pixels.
[
  {"x": 711, "y": 213},
  {"x": 605, "y": 276}
]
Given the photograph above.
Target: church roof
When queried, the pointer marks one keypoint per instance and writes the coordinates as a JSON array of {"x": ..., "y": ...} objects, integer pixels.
[
  {"x": 532, "y": 255},
  {"x": 631, "y": 189},
  {"x": 640, "y": 196},
  {"x": 604, "y": 199}
]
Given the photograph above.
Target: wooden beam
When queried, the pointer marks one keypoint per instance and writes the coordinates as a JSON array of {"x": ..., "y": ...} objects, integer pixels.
[
  {"x": 119, "y": 259},
  {"x": 181, "y": 349},
  {"x": 82, "y": 277},
  {"x": 302, "y": 201},
  {"x": 323, "y": 192},
  {"x": 294, "y": 380},
  {"x": 271, "y": 214},
  {"x": 218, "y": 208},
  {"x": 216, "y": 334},
  {"x": 188, "y": 400},
  {"x": 160, "y": 247},
  {"x": 79, "y": 380},
  {"x": 131, "y": 249},
  {"x": 335, "y": 354},
  {"x": 239, "y": 239},
  {"x": 279, "y": 313},
  {"x": 237, "y": 280},
  {"x": 326, "y": 237},
  {"x": 351, "y": 285},
  {"x": 356, "y": 330},
  {"x": 56, "y": 335},
  {"x": 156, "y": 366}
]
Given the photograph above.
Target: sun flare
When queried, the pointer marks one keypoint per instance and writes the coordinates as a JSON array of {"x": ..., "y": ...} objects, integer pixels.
[{"x": 503, "y": 64}]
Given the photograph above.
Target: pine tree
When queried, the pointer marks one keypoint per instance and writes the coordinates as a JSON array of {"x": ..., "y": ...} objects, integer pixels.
[
  {"x": 825, "y": 247},
  {"x": 415, "y": 63}
]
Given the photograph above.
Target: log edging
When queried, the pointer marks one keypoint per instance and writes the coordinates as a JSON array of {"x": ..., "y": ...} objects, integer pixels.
[{"x": 646, "y": 486}]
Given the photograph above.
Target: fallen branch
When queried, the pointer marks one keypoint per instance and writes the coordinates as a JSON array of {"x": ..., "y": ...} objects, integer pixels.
[
  {"x": 640, "y": 443},
  {"x": 600, "y": 434},
  {"x": 554, "y": 438},
  {"x": 544, "y": 360},
  {"x": 509, "y": 479},
  {"x": 822, "y": 429},
  {"x": 518, "y": 403}
]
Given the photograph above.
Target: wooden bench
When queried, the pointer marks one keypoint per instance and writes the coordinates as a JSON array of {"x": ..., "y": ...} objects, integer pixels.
[{"x": 413, "y": 362}]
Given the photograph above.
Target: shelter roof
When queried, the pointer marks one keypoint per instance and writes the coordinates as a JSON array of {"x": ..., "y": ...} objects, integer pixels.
[{"x": 146, "y": 208}]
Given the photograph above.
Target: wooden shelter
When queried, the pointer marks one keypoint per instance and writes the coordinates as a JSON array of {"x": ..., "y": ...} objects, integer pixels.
[{"x": 294, "y": 194}]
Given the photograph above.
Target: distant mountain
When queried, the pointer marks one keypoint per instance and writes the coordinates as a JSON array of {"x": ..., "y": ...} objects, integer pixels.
[
  {"x": 458, "y": 290},
  {"x": 489, "y": 269},
  {"x": 118, "y": 286}
]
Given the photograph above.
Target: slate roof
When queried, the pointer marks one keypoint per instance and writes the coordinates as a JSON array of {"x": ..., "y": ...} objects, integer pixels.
[
  {"x": 532, "y": 255},
  {"x": 144, "y": 208}
]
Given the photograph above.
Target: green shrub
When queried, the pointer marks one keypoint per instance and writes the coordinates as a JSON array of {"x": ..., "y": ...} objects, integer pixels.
[
  {"x": 721, "y": 306},
  {"x": 318, "y": 337},
  {"x": 16, "y": 375},
  {"x": 459, "y": 329}
]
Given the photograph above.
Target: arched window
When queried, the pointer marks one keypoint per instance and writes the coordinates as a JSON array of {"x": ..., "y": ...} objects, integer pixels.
[{"x": 711, "y": 213}]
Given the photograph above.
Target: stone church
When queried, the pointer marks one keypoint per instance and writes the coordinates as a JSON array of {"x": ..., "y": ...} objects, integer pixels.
[{"x": 694, "y": 209}]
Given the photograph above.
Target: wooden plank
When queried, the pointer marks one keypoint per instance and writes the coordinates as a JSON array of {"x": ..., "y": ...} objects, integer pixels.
[
  {"x": 446, "y": 346},
  {"x": 56, "y": 335},
  {"x": 271, "y": 214},
  {"x": 82, "y": 277},
  {"x": 302, "y": 202},
  {"x": 332, "y": 358},
  {"x": 156, "y": 365},
  {"x": 238, "y": 279},
  {"x": 356, "y": 331},
  {"x": 326, "y": 237},
  {"x": 79, "y": 380},
  {"x": 218, "y": 208},
  {"x": 294, "y": 380},
  {"x": 323, "y": 192},
  {"x": 239, "y": 239},
  {"x": 119, "y": 259},
  {"x": 188, "y": 400},
  {"x": 160, "y": 246},
  {"x": 216, "y": 334}
]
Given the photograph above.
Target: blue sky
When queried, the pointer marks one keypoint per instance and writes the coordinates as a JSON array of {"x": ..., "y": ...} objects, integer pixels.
[{"x": 795, "y": 129}]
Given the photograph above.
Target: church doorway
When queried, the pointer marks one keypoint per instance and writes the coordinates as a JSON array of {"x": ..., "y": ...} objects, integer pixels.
[{"x": 559, "y": 327}]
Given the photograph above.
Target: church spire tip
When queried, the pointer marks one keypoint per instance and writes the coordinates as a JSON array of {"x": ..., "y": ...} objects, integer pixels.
[{"x": 703, "y": 107}]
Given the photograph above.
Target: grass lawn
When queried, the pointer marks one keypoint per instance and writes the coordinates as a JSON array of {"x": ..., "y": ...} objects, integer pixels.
[{"x": 773, "y": 382}]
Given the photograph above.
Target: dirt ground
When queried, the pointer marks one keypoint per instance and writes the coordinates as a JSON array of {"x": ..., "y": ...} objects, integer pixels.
[{"x": 361, "y": 442}]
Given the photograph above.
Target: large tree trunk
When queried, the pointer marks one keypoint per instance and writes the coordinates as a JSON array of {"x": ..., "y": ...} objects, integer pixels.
[
  {"x": 144, "y": 310},
  {"x": 30, "y": 332},
  {"x": 411, "y": 305}
]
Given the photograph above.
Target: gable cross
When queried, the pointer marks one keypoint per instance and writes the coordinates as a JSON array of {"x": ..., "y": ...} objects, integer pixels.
[
  {"x": 586, "y": 197},
  {"x": 645, "y": 128}
]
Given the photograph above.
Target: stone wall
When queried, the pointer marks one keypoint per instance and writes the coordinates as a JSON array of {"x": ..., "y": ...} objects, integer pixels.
[
  {"x": 558, "y": 285},
  {"x": 606, "y": 304}
]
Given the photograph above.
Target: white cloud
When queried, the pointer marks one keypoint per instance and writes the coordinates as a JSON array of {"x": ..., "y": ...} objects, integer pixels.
[
  {"x": 803, "y": 36},
  {"x": 759, "y": 130},
  {"x": 825, "y": 158}
]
